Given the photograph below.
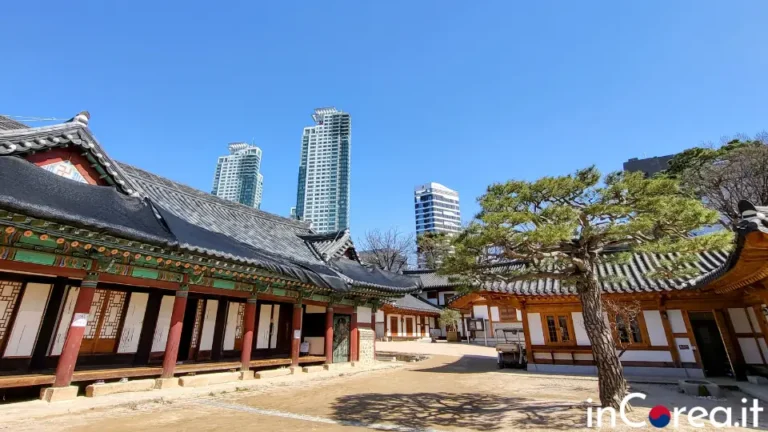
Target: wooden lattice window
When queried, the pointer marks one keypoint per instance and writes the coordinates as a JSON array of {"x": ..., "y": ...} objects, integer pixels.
[
  {"x": 198, "y": 323},
  {"x": 507, "y": 314},
  {"x": 9, "y": 295},
  {"x": 559, "y": 329},
  {"x": 631, "y": 329}
]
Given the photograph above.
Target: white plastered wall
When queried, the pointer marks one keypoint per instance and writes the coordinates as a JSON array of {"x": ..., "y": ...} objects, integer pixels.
[
  {"x": 134, "y": 319},
  {"x": 21, "y": 340}
]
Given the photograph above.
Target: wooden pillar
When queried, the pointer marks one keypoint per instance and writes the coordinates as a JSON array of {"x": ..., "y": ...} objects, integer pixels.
[
  {"x": 526, "y": 334},
  {"x": 249, "y": 321},
  {"x": 296, "y": 335},
  {"x": 670, "y": 337},
  {"x": 730, "y": 341},
  {"x": 174, "y": 333},
  {"x": 328, "y": 335},
  {"x": 763, "y": 325},
  {"x": 66, "y": 366},
  {"x": 755, "y": 335},
  {"x": 354, "y": 335}
]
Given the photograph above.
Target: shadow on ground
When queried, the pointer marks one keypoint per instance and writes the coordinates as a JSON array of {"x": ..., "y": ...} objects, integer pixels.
[
  {"x": 460, "y": 410},
  {"x": 465, "y": 364}
]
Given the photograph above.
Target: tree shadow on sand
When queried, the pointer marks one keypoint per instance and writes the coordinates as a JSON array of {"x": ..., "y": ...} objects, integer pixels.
[{"x": 462, "y": 410}]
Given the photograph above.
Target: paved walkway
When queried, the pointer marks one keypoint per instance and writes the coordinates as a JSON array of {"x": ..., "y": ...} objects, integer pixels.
[
  {"x": 444, "y": 393},
  {"x": 437, "y": 348}
]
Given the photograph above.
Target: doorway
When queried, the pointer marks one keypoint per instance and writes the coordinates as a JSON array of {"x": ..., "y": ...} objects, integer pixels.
[
  {"x": 409, "y": 326},
  {"x": 341, "y": 338},
  {"x": 714, "y": 358},
  {"x": 393, "y": 330}
]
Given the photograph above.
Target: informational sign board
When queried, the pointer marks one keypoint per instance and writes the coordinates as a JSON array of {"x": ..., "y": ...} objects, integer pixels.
[{"x": 476, "y": 324}]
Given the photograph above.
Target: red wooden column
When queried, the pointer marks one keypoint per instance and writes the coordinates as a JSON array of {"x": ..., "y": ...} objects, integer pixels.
[
  {"x": 66, "y": 366},
  {"x": 296, "y": 336},
  {"x": 249, "y": 321},
  {"x": 353, "y": 336},
  {"x": 174, "y": 333},
  {"x": 328, "y": 335}
]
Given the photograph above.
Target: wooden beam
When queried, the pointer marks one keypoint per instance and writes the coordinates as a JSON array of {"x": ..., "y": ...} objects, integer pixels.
[
  {"x": 692, "y": 338},
  {"x": 670, "y": 336},
  {"x": 729, "y": 340}
]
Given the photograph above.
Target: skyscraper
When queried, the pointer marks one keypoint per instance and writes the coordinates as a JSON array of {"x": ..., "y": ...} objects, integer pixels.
[
  {"x": 237, "y": 175},
  {"x": 649, "y": 166},
  {"x": 323, "y": 190},
  {"x": 437, "y": 209}
]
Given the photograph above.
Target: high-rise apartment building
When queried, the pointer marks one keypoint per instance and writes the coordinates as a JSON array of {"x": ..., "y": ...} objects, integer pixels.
[
  {"x": 323, "y": 190},
  {"x": 237, "y": 175},
  {"x": 437, "y": 209}
]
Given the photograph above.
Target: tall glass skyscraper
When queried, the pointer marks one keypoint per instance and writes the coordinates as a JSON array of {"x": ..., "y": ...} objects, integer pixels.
[
  {"x": 237, "y": 175},
  {"x": 323, "y": 191}
]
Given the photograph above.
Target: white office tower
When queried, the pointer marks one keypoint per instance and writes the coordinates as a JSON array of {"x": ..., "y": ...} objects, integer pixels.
[{"x": 437, "y": 209}]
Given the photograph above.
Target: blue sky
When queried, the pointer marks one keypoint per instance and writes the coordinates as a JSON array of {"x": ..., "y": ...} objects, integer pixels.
[{"x": 461, "y": 93}]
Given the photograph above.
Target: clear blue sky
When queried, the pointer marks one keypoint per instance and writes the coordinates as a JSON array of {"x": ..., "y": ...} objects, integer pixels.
[{"x": 461, "y": 93}]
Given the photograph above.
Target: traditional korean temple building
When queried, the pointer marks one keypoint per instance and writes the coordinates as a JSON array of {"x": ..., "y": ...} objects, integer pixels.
[
  {"x": 408, "y": 318},
  {"x": 108, "y": 272},
  {"x": 711, "y": 325},
  {"x": 440, "y": 289}
]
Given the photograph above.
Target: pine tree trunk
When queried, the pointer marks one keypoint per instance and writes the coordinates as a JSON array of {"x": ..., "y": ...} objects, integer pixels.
[{"x": 613, "y": 386}]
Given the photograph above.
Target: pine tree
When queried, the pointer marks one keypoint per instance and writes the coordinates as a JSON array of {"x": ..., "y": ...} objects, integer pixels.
[{"x": 562, "y": 228}]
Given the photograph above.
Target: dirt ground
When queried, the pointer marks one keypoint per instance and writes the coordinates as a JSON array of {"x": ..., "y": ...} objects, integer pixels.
[{"x": 458, "y": 392}]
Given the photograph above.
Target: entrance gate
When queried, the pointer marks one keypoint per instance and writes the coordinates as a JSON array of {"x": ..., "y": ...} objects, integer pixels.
[{"x": 341, "y": 338}]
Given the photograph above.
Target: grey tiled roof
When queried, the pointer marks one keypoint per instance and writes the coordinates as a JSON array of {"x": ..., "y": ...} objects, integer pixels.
[
  {"x": 430, "y": 279},
  {"x": 413, "y": 303},
  {"x": 21, "y": 141},
  {"x": 332, "y": 245},
  {"x": 8, "y": 124},
  {"x": 257, "y": 228},
  {"x": 632, "y": 277}
]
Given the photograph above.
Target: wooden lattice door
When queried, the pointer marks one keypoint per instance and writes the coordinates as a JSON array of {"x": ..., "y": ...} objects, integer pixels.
[
  {"x": 104, "y": 320},
  {"x": 340, "y": 338}
]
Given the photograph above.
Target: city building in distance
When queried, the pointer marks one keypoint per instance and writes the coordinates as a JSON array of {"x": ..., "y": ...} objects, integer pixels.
[
  {"x": 322, "y": 196},
  {"x": 649, "y": 166},
  {"x": 437, "y": 211},
  {"x": 237, "y": 175}
]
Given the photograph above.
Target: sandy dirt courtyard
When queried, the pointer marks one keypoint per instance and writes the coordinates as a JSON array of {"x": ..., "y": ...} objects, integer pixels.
[{"x": 461, "y": 391}]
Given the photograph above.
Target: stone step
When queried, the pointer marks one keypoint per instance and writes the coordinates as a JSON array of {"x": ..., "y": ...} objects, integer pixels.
[
  {"x": 273, "y": 373},
  {"x": 103, "y": 389}
]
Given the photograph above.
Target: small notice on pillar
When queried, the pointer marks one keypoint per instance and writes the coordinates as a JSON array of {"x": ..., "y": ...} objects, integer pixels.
[
  {"x": 80, "y": 320},
  {"x": 297, "y": 334}
]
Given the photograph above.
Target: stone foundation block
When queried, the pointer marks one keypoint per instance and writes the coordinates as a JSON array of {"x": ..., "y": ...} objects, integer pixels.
[
  {"x": 96, "y": 390},
  {"x": 164, "y": 383},
  {"x": 272, "y": 373},
  {"x": 693, "y": 387},
  {"x": 58, "y": 394},
  {"x": 337, "y": 366},
  {"x": 208, "y": 379},
  {"x": 312, "y": 369},
  {"x": 246, "y": 375}
]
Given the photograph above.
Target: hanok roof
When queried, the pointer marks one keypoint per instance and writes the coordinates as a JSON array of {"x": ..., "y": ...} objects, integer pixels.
[
  {"x": 8, "y": 124},
  {"x": 17, "y": 141},
  {"x": 629, "y": 278},
  {"x": 259, "y": 229},
  {"x": 332, "y": 245},
  {"x": 414, "y": 304},
  {"x": 431, "y": 280}
]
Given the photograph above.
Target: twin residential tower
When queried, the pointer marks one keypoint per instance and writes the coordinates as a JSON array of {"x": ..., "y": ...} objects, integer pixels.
[{"x": 322, "y": 196}]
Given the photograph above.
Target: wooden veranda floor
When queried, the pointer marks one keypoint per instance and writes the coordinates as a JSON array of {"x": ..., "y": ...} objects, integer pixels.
[{"x": 44, "y": 378}]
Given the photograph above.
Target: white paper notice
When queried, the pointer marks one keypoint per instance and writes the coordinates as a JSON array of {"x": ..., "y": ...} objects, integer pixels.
[
  {"x": 80, "y": 320},
  {"x": 297, "y": 334}
]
